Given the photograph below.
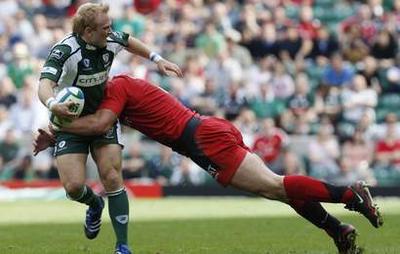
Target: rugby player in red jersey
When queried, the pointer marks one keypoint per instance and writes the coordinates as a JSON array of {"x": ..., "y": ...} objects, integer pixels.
[{"x": 217, "y": 146}]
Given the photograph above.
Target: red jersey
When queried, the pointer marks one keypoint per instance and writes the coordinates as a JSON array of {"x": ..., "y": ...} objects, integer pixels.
[
  {"x": 385, "y": 147},
  {"x": 146, "y": 108},
  {"x": 269, "y": 148}
]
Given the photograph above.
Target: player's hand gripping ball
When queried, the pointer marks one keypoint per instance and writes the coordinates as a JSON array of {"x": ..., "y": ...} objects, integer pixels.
[{"x": 73, "y": 94}]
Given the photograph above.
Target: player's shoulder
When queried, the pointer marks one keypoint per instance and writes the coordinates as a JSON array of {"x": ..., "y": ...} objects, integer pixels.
[
  {"x": 64, "y": 48},
  {"x": 118, "y": 37}
]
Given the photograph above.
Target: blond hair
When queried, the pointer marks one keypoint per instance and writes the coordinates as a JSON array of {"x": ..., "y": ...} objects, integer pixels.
[{"x": 86, "y": 16}]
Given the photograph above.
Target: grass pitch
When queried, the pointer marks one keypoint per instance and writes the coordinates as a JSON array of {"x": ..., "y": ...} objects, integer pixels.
[{"x": 188, "y": 226}]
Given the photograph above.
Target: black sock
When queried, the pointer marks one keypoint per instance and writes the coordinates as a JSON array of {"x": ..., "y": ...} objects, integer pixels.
[{"x": 316, "y": 214}]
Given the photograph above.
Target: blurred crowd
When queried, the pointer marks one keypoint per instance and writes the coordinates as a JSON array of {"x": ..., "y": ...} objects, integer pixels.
[{"x": 313, "y": 85}]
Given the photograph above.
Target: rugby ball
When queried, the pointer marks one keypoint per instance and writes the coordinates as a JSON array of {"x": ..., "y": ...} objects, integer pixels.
[{"x": 74, "y": 94}]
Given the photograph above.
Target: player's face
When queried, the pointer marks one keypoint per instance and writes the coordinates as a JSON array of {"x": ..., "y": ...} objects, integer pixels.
[{"x": 100, "y": 33}]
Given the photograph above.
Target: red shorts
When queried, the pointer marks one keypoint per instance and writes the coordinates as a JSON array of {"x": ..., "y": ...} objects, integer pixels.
[{"x": 222, "y": 144}]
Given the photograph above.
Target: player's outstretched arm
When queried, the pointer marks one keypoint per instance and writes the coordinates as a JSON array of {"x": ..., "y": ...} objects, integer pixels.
[{"x": 94, "y": 124}]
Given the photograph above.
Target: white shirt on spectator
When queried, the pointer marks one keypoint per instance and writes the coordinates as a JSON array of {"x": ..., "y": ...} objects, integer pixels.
[{"x": 357, "y": 103}]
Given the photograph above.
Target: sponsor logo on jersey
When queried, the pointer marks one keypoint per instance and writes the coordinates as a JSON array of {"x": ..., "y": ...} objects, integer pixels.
[
  {"x": 48, "y": 69},
  {"x": 117, "y": 35},
  {"x": 57, "y": 54},
  {"x": 60, "y": 146},
  {"x": 110, "y": 133},
  {"x": 106, "y": 57},
  {"x": 92, "y": 80},
  {"x": 212, "y": 171},
  {"x": 86, "y": 62}
]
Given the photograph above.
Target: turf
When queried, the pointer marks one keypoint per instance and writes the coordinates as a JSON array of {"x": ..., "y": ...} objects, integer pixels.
[{"x": 249, "y": 226}]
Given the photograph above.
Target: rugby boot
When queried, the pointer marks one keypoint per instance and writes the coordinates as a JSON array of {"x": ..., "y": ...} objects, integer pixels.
[
  {"x": 93, "y": 220},
  {"x": 364, "y": 204},
  {"x": 345, "y": 240},
  {"x": 122, "y": 249}
]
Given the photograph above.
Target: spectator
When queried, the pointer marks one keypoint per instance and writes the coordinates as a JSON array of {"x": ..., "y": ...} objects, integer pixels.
[
  {"x": 247, "y": 124},
  {"x": 24, "y": 170},
  {"x": 219, "y": 12},
  {"x": 24, "y": 28},
  {"x": 40, "y": 43},
  {"x": 358, "y": 99},
  {"x": 323, "y": 44},
  {"x": 270, "y": 144},
  {"x": 265, "y": 104},
  {"x": 323, "y": 153},
  {"x": 7, "y": 92},
  {"x": 329, "y": 104},
  {"x": 301, "y": 103},
  {"x": 388, "y": 150},
  {"x": 247, "y": 23},
  {"x": 308, "y": 26},
  {"x": 193, "y": 77},
  {"x": 292, "y": 164},
  {"x": 9, "y": 148},
  {"x": 133, "y": 163},
  {"x": 225, "y": 70},
  {"x": 266, "y": 44},
  {"x": 207, "y": 103},
  {"x": 210, "y": 41},
  {"x": 337, "y": 73},
  {"x": 161, "y": 166},
  {"x": 348, "y": 173},
  {"x": 358, "y": 150},
  {"x": 391, "y": 79},
  {"x": 259, "y": 74},
  {"x": 363, "y": 22},
  {"x": 187, "y": 173},
  {"x": 238, "y": 52},
  {"x": 369, "y": 69},
  {"x": 54, "y": 11},
  {"x": 25, "y": 114},
  {"x": 281, "y": 21},
  {"x": 354, "y": 47},
  {"x": 294, "y": 45},
  {"x": 282, "y": 83},
  {"x": 234, "y": 102},
  {"x": 384, "y": 48},
  {"x": 5, "y": 123},
  {"x": 375, "y": 132},
  {"x": 130, "y": 22},
  {"x": 21, "y": 65}
]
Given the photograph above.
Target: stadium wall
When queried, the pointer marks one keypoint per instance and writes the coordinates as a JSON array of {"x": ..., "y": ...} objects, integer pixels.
[{"x": 16, "y": 190}]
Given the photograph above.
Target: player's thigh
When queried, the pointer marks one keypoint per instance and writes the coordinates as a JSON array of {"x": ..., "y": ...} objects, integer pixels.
[
  {"x": 108, "y": 160},
  {"x": 106, "y": 150},
  {"x": 71, "y": 152},
  {"x": 253, "y": 176},
  {"x": 72, "y": 170},
  {"x": 107, "y": 157}
]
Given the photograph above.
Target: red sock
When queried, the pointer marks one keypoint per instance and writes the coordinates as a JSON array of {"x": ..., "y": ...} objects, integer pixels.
[{"x": 310, "y": 189}]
